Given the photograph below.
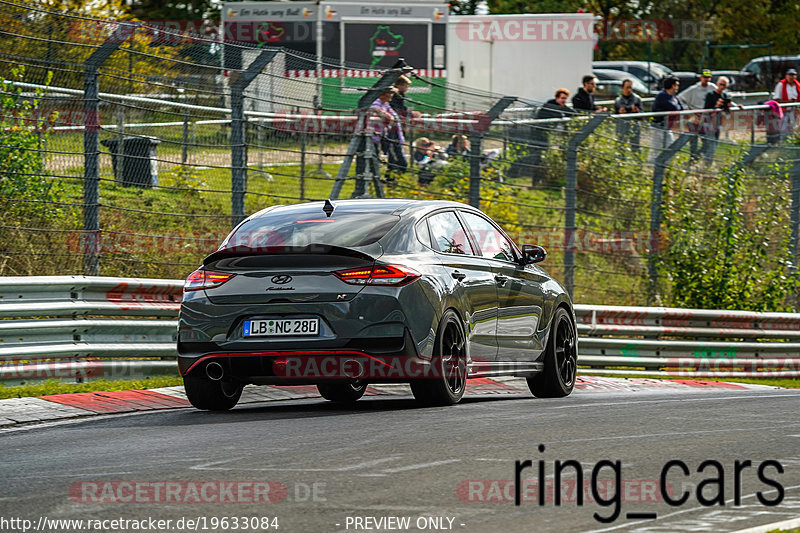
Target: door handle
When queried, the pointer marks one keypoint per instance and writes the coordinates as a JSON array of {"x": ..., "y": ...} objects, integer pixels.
[
  {"x": 458, "y": 275},
  {"x": 501, "y": 279}
]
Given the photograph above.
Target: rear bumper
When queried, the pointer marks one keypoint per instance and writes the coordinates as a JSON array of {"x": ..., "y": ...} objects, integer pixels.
[
  {"x": 303, "y": 368},
  {"x": 398, "y": 360}
]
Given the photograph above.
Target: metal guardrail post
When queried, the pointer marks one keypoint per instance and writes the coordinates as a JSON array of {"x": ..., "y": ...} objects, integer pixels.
[
  {"x": 571, "y": 200},
  {"x": 661, "y": 164},
  {"x": 238, "y": 146},
  {"x": 91, "y": 147}
]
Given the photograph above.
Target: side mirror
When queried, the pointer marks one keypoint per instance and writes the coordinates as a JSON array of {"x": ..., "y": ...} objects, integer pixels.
[{"x": 533, "y": 253}]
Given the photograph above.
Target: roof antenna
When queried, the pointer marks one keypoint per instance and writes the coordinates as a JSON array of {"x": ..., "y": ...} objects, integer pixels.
[{"x": 329, "y": 207}]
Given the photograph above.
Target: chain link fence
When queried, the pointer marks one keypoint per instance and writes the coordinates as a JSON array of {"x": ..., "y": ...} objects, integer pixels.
[{"x": 130, "y": 150}]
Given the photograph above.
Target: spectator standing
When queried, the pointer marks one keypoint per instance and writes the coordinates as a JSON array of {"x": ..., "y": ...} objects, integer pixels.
[
  {"x": 664, "y": 101},
  {"x": 695, "y": 98},
  {"x": 717, "y": 99},
  {"x": 786, "y": 91},
  {"x": 538, "y": 134},
  {"x": 628, "y": 102},
  {"x": 394, "y": 146},
  {"x": 584, "y": 98},
  {"x": 387, "y": 119}
]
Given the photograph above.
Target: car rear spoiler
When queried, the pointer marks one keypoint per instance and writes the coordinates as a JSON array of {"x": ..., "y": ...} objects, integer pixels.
[{"x": 311, "y": 249}]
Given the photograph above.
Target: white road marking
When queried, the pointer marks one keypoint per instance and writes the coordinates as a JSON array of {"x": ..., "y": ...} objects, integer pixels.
[
  {"x": 418, "y": 466},
  {"x": 682, "y": 511},
  {"x": 345, "y": 468},
  {"x": 786, "y": 524}
]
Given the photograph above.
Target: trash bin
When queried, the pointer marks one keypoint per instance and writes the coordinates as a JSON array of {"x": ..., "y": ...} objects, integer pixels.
[{"x": 138, "y": 160}]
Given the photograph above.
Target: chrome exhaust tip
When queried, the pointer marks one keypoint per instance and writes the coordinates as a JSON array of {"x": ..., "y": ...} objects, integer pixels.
[
  {"x": 352, "y": 368},
  {"x": 214, "y": 371}
]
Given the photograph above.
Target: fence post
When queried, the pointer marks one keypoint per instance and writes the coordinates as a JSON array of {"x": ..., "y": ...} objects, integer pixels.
[
  {"x": 185, "y": 143},
  {"x": 303, "y": 166},
  {"x": 794, "y": 173},
  {"x": 121, "y": 159},
  {"x": 571, "y": 199},
  {"x": 476, "y": 149},
  {"x": 238, "y": 146},
  {"x": 661, "y": 164},
  {"x": 747, "y": 159},
  {"x": 91, "y": 148}
]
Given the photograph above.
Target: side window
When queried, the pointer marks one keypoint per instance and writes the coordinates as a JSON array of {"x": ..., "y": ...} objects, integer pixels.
[
  {"x": 448, "y": 235},
  {"x": 490, "y": 240},
  {"x": 423, "y": 233},
  {"x": 641, "y": 74}
]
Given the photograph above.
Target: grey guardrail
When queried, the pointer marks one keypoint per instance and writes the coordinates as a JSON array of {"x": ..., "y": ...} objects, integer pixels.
[
  {"x": 58, "y": 326},
  {"x": 688, "y": 342}
]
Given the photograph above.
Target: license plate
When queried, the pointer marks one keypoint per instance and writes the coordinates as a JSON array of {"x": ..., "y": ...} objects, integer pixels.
[{"x": 303, "y": 327}]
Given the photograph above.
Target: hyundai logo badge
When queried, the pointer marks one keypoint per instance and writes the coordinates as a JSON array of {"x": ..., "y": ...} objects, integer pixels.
[{"x": 283, "y": 279}]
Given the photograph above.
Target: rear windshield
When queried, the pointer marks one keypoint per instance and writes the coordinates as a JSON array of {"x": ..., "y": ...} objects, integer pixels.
[{"x": 279, "y": 229}]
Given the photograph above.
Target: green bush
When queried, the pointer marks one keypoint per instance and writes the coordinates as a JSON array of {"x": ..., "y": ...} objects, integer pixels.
[{"x": 24, "y": 186}]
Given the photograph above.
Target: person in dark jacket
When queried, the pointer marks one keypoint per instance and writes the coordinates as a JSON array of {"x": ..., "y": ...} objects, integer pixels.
[
  {"x": 538, "y": 134},
  {"x": 716, "y": 99},
  {"x": 628, "y": 130},
  {"x": 584, "y": 98},
  {"x": 664, "y": 101},
  {"x": 393, "y": 145}
]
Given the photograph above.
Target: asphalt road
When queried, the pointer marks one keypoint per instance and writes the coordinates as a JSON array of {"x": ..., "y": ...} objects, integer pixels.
[{"x": 387, "y": 458}]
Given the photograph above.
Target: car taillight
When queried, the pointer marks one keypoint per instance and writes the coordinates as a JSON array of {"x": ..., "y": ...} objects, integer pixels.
[
  {"x": 205, "y": 279},
  {"x": 393, "y": 275}
]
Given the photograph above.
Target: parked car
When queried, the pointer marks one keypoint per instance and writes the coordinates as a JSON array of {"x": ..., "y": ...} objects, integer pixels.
[
  {"x": 741, "y": 80},
  {"x": 686, "y": 79},
  {"x": 603, "y": 75},
  {"x": 649, "y": 72},
  {"x": 768, "y": 70},
  {"x": 342, "y": 294}
]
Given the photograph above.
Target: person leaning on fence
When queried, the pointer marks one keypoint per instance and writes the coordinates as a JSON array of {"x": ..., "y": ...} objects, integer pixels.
[
  {"x": 720, "y": 100},
  {"x": 584, "y": 98},
  {"x": 787, "y": 91},
  {"x": 425, "y": 158},
  {"x": 459, "y": 145},
  {"x": 695, "y": 98},
  {"x": 628, "y": 130},
  {"x": 664, "y": 101}
]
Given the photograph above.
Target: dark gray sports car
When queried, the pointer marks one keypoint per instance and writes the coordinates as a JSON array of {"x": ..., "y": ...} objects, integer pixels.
[{"x": 342, "y": 294}]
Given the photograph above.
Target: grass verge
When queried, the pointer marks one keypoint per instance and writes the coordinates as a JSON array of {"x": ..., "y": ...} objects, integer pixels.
[
  {"x": 786, "y": 383},
  {"x": 57, "y": 387}
]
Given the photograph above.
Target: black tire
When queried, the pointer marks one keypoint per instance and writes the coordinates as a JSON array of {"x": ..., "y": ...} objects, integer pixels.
[
  {"x": 560, "y": 360},
  {"x": 209, "y": 395},
  {"x": 449, "y": 377},
  {"x": 342, "y": 392}
]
